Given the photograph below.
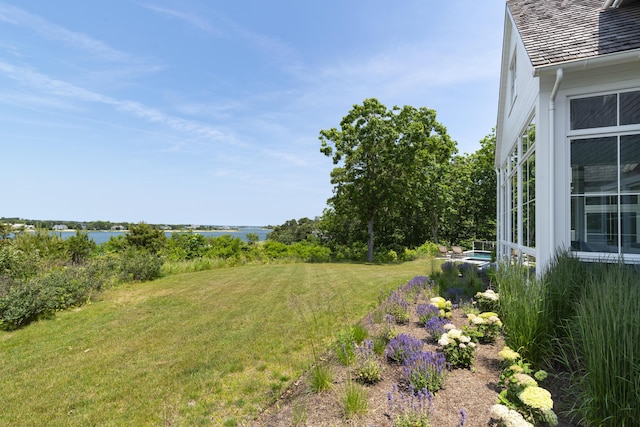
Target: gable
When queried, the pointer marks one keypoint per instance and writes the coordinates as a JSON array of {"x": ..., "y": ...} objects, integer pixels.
[{"x": 556, "y": 31}]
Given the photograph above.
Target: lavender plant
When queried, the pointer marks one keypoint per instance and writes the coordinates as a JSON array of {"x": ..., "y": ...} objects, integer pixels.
[
  {"x": 416, "y": 285},
  {"x": 398, "y": 307},
  {"x": 425, "y": 370},
  {"x": 368, "y": 369},
  {"x": 401, "y": 347},
  {"x": 426, "y": 312},
  {"x": 411, "y": 409},
  {"x": 436, "y": 327}
]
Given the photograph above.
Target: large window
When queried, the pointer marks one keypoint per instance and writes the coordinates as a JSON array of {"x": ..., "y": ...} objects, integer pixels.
[
  {"x": 605, "y": 173},
  {"x": 518, "y": 198}
]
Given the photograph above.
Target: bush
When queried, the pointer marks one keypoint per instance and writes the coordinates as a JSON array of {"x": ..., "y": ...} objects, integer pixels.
[
  {"x": 17, "y": 264},
  {"x": 43, "y": 295},
  {"x": 139, "y": 265}
]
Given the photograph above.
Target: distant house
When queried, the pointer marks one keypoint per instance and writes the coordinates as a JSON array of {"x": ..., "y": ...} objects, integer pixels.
[
  {"x": 118, "y": 228},
  {"x": 568, "y": 130},
  {"x": 60, "y": 227}
]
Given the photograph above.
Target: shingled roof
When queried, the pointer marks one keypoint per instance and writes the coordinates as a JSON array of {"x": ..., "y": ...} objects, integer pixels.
[{"x": 556, "y": 31}]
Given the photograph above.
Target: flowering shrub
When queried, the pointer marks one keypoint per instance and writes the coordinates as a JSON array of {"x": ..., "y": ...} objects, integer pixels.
[
  {"x": 368, "y": 369},
  {"x": 426, "y": 312},
  {"x": 522, "y": 392},
  {"x": 425, "y": 370},
  {"x": 401, "y": 347},
  {"x": 436, "y": 327},
  {"x": 509, "y": 417},
  {"x": 508, "y": 356},
  {"x": 410, "y": 409},
  {"x": 487, "y": 326},
  {"x": 487, "y": 300},
  {"x": 444, "y": 306},
  {"x": 457, "y": 348}
]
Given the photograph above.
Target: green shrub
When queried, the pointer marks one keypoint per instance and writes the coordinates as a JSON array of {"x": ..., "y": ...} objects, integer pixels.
[
  {"x": 20, "y": 304},
  {"x": 139, "y": 265},
  {"x": 428, "y": 249},
  {"x": 17, "y": 264},
  {"x": 275, "y": 250}
]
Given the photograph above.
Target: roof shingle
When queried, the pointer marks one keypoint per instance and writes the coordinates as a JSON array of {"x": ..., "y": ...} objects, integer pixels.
[{"x": 556, "y": 31}]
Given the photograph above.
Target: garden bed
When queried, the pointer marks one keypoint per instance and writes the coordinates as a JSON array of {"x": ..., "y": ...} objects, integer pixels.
[{"x": 473, "y": 391}]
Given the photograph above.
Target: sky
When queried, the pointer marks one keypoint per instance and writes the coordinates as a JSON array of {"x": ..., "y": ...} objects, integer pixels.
[{"x": 208, "y": 112}]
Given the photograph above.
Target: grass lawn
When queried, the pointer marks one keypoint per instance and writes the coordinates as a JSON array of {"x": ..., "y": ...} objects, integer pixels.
[{"x": 212, "y": 347}]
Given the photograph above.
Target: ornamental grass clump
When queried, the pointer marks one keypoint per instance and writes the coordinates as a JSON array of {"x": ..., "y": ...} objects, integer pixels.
[
  {"x": 487, "y": 326},
  {"x": 425, "y": 370},
  {"x": 368, "y": 369},
  {"x": 411, "y": 409},
  {"x": 401, "y": 347},
  {"x": 426, "y": 312},
  {"x": 458, "y": 348}
]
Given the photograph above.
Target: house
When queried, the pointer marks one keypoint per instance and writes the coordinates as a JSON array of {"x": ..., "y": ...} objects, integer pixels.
[{"x": 568, "y": 131}]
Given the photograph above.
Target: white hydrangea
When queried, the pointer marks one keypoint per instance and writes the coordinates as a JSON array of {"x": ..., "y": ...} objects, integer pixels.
[{"x": 509, "y": 417}]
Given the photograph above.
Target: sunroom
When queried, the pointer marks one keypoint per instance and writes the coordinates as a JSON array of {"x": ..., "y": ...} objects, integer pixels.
[{"x": 568, "y": 133}]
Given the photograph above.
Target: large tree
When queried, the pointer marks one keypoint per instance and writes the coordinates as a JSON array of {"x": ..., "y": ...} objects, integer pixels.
[{"x": 389, "y": 161}]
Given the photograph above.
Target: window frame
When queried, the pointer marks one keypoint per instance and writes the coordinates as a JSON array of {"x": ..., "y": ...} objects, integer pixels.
[{"x": 618, "y": 131}]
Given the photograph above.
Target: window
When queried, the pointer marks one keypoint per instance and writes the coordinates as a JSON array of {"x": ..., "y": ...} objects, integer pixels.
[
  {"x": 605, "y": 174},
  {"x": 513, "y": 74},
  {"x": 517, "y": 202}
]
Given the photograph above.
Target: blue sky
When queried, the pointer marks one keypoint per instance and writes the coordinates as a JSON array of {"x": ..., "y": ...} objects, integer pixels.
[{"x": 208, "y": 111}]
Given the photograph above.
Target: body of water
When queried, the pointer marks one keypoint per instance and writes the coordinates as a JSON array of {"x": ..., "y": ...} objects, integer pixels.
[{"x": 241, "y": 232}]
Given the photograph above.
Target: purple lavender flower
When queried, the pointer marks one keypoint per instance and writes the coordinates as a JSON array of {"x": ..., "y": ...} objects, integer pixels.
[
  {"x": 463, "y": 418},
  {"x": 401, "y": 347},
  {"x": 426, "y": 312},
  {"x": 435, "y": 327},
  {"x": 425, "y": 370}
]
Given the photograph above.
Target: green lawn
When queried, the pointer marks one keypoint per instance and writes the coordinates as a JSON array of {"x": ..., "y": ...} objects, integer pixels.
[{"x": 203, "y": 348}]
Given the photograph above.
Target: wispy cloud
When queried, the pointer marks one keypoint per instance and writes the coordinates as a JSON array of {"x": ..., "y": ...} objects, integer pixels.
[
  {"x": 22, "y": 18},
  {"x": 286, "y": 157},
  {"x": 63, "y": 89},
  {"x": 190, "y": 18}
]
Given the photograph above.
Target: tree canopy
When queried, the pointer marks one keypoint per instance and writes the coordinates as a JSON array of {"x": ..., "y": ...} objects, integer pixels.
[{"x": 389, "y": 163}]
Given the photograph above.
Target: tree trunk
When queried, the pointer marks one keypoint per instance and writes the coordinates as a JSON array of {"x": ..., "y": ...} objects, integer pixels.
[{"x": 370, "y": 241}]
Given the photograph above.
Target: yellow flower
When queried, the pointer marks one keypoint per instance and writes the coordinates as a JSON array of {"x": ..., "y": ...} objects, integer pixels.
[
  {"x": 516, "y": 369},
  {"x": 536, "y": 397},
  {"x": 524, "y": 380},
  {"x": 509, "y": 355}
]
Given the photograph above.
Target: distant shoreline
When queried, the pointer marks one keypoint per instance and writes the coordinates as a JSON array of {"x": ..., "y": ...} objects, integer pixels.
[{"x": 226, "y": 230}]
